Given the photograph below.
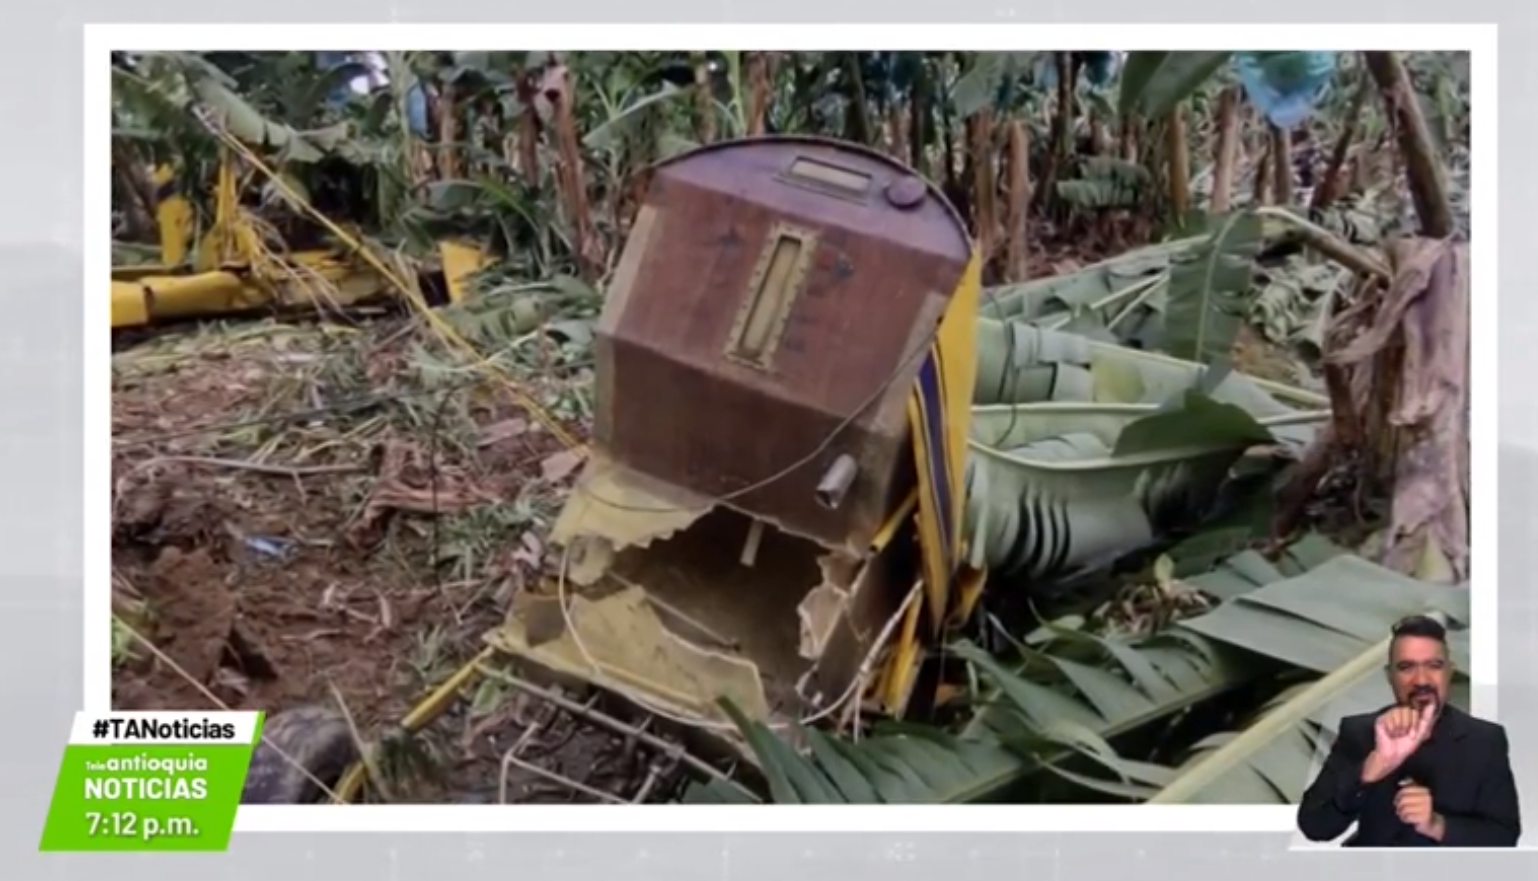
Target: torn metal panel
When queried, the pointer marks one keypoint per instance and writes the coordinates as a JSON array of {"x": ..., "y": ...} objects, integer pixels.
[
  {"x": 845, "y": 618},
  {"x": 624, "y": 507},
  {"x": 618, "y": 642},
  {"x": 665, "y": 574}
]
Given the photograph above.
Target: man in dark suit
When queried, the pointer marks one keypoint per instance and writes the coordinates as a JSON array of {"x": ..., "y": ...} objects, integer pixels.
[{"x": 1418, "y": 773}]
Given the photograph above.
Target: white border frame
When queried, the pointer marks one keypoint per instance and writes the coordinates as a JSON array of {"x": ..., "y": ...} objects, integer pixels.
[{"x": 1480, "y": 40}]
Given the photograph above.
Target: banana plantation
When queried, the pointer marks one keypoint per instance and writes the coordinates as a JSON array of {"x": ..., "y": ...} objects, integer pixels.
[{"x": 421, "y": 446}]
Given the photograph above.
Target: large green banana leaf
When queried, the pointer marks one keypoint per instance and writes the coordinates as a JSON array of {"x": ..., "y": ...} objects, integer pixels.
[
  {"x": 1184, "y": 297},
  {"x": 1021, "y": 363},
  {"x": 905, "y": 765},
  {"x": 1271, "y": 762},
  {"x": 1116, "y": 297},
  {"x": 1054, "y": 490},
  {"x": 1076, "y": 692},
  {"x": 1276, "y": 768},
  {"x": 1115, "y": 685},
  {"x": 1154, "y": 83},
  {"x": 1217, "y": 651}
]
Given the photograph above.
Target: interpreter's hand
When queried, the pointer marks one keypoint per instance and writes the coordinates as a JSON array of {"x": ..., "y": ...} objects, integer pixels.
[
  {"x": 1398, "y": 732},
  {"x": 1401, "y": 730},
  {"x": 1413, "y": 805}
]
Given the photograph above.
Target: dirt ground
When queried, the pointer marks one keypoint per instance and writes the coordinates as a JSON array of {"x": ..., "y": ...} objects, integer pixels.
[{"x": 274, "y": 562}]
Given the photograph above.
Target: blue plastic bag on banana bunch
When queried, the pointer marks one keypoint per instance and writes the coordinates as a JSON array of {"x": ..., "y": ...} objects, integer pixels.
[
  {"x": 371, "y": 75},
  {"x": 330, "y": 62},
  {"x": 1285, "y": 86},
  {"x": 416, "y": 110},
  {"x": 1099, "y": 67}
]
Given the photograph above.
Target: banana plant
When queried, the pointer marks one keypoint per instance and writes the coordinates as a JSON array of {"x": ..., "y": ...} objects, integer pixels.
[
  {"x": 181, "y": 82},
  {"x": 1106, "y": 182},
  {"x": 989, "y": 77}
]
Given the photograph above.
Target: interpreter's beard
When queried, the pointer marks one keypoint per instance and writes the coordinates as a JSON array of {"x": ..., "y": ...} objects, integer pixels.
[{"x": 1422, "y": 696}]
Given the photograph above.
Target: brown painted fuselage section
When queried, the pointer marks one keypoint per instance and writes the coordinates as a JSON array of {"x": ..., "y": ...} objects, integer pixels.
[{"x": 700, "y": 389}]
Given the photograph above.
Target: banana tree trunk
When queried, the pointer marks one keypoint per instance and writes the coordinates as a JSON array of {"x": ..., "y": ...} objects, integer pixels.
[{"x": 1427, "y": 176}]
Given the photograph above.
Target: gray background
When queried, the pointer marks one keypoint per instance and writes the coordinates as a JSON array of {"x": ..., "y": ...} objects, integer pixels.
[{"x": 41, "y": 493}]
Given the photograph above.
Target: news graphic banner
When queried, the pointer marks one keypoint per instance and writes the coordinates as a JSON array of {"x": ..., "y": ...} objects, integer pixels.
[{"x": 151, "y": 781}]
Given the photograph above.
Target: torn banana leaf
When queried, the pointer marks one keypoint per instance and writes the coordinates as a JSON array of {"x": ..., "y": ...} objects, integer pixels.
[
  {"x": 1332, "y": 621},
  {"x": 1115, "y": 684},
  {"x": 1278, "y": 769},
  {"x": 917, "y": 764},
  {"x": 1055, "y": 491},
  {"x": 1074, "y": 692},
  {"x": 1176, "y": 296},
  {"x": 897, "y": 765},
  {"x": 1209, "y": 291},
  {"x": 1323, "y": 620},
  {"x": 1114, "y": 301},
  {"x": 1020, "y": 363},
  {"x": 1290, "y": 299},
  {"x": 1033, "y": 716}
]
